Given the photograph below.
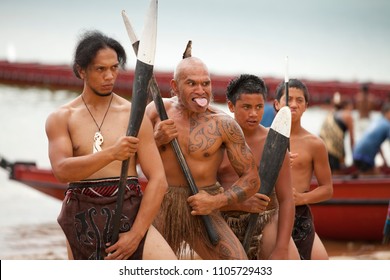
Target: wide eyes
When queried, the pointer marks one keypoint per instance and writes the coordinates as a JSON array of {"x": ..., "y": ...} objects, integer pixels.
[{"x": 203, "y": 84}]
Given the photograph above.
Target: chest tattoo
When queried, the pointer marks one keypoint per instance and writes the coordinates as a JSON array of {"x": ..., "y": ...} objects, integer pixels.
[{"x": 204, "y": 133}]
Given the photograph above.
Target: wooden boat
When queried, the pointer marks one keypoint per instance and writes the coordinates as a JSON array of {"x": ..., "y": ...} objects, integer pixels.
[
  {"x": 357, "y": 211},
  {"x": 28, "y": 173},
  {"x": 62, "y": 77},
  {"x": 40, "y": 179}
]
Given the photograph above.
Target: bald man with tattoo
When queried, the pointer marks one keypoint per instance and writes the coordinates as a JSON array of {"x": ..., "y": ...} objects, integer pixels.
[{"x": 204, "y": 133}]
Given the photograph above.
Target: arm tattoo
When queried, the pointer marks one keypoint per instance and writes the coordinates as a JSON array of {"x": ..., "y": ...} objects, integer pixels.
[
  {"x": 232, "y": 131},
  {"x": 238, "y": 191}
]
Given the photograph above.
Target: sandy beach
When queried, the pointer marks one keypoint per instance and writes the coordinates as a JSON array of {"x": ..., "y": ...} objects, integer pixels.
[
  {"x": 34, "y": 242},
  {"x": 46, "y": 242}
]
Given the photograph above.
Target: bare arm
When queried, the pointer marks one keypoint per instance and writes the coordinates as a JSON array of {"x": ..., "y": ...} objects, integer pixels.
[
  {"x": 243, "y": 162},
  {"x": 383, "y": 157},
  {"x": 165, "y": 130},
  {"x": 350, "y": 127},
  {"x": 286, "y": 211},
  {"x": 152, "y": 167},
  {"x": 321, "y": 168},
  {"x": 65, "y": 165}
]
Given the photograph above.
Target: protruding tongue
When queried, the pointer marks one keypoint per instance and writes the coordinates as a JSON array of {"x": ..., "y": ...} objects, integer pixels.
[{"x": 201, "y": 101}]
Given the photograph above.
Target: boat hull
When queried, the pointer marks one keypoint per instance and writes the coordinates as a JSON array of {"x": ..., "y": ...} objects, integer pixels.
[
  {"x": 357, "y": 211},
  {"x": 62, "y": 77}
]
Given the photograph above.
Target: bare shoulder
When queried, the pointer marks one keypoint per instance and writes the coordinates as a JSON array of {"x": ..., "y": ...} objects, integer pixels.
[
  {"x": 227, "y": 126},
  {"x": 215, "y": 110},
  {"x": 63, "y": 112},
  {"x": 218, "y": 114},
  {"x": 121, "y": 103},
  {"x": 151, "y": 110},
  {"x": 310, "y": 140}
]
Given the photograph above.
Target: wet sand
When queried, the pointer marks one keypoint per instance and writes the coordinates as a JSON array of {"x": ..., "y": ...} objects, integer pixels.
[
  {"x": 358, "y": 250},
  {"x": 33, "y": 242},
  {"x": 47, "y": 242}
]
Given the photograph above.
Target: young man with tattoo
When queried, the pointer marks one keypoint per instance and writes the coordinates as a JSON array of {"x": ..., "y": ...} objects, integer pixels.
[{"x": 204, "y": 133}]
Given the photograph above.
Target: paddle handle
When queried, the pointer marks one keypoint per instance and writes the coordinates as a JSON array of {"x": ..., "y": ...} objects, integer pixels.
[
  {"x": 249, "y": 231},
  {"x": 155, "y": 91},
  {"x": 140, "y": 97}
]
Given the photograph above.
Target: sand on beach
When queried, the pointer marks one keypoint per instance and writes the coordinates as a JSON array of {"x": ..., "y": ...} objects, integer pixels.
[
  {"x": 33, "y": 242},
  {"x": 47, "y": 242},
  {"x": 29, "y": 229}
]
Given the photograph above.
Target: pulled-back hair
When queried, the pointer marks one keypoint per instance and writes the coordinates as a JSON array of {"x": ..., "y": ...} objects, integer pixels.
[
  {"x": 245, "y": 83},
  {"x": 292, "y": 83},
  {"x": 88, "y": 46}
]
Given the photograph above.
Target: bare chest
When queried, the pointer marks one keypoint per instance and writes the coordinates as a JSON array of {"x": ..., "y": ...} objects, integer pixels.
[
  {"x": 87, "y": 136},
  {"x": 199, "y": 137}
]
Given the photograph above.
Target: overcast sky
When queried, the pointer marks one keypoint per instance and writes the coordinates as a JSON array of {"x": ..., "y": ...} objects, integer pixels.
[{"x": 325, "y": 40}]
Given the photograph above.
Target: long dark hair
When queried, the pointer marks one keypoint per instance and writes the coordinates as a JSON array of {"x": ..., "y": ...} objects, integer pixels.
[{"x": 89, "y": 44}]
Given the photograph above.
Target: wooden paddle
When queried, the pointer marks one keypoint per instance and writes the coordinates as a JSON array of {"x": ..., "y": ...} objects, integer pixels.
[
  {"x": 142, "y": 76},
  {"x": 274, "y": 152},
  {"x": 154, "y": 89}
]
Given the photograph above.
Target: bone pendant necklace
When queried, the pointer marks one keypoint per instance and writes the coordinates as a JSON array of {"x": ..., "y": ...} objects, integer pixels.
[{"x": 98, "y": 137}]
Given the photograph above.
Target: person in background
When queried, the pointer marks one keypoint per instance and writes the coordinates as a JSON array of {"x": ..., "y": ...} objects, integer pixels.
[
  {"x": 87, "y": 144},
  {"x": 364, "y": 101},
  {"x": 246, "y": 97},
  {"x": 369, "y": 145},
  {"x": 269, "y": 114},
  {"x": 204, "y": 133},
  {"x": 364, "y": 104},
  {"x": 311, "y": 159},
  {"x": 333, "y": 132}
]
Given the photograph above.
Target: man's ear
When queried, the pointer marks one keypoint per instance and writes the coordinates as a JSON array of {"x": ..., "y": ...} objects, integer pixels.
[
  {"x": 81, "y": 72},
  {"x": 276, "y": 105},
  {"x": 174, "y": 87}
]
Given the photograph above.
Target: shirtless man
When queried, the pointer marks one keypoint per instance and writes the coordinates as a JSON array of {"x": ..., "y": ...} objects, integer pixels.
[
  {"x": 87, "y": 145},
  {"x": 246, "y": 96},
  {"x": 204, "y": 133},
  {"x": 364, "y": 103},
  {"x": 312, "y": 158}
]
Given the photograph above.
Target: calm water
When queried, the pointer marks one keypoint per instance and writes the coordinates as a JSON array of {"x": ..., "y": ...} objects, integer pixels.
[
  {"x": 28, "y": 227},
  {"x": 25, "y": 214}
]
